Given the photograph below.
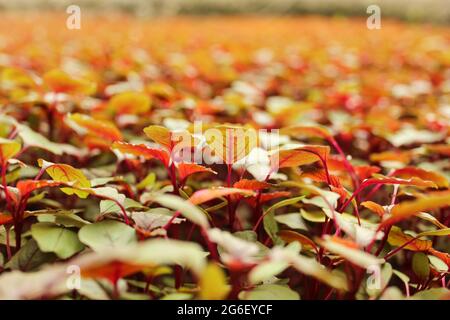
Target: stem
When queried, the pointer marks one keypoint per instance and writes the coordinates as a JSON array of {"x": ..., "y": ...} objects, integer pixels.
[
  {"x": 347, "y": 164},
  {"x": 212, "y": 249},
  {"x": 8, "y": 245},
  {"x": 231, "y": 211}
]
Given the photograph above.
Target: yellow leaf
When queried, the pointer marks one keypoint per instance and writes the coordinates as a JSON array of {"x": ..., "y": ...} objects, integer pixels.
[
  {"x": 8, "y": 149},
  {"x": 159, "y": 135},
  {"x": 61, "y": 82},
  {"x": 397, "y": 238},
  {"x": 130, "y": 103},
  {"x": 67, "y": 174},
  {"x": 213, "y": 283}
]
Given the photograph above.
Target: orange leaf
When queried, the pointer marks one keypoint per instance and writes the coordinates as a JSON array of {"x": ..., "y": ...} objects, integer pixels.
[
  {"x": 380, "y": 179},
  {"x": 186, "y": 169},
  {"x": 408, "y": 172},
  {"x": 400, "y": 156},
  {"x": 254, "y": 185},
  {"x": 99, "y": 128},
  {"x": 112, "y": 271},
  {"x": 5, "y": 218},
  {"x": 397, "y": 238},
  {"x": 301, "y": 156},
  {"x": 365, "y": 172},
  {"x": 291, "y": 236},
  {"x": 160, "y": 135},
  {"x": 205, "y": 195},
  {"x": 143, "y": 151},
  {"x": 443, "y": 149},
  {"x": 28, "y": 186},
  {"x": 430, "y": 201},
  {"x": 130, "y": 103},
  {"x": 265, "y": 197},
  {"x": 307, "y": 131},
  {"x": 374, "y": 207},
  {"x": 61, "y": 82}
]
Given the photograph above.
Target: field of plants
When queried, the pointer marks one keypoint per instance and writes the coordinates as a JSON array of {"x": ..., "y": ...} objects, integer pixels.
[{"x": 223, "y": 158}]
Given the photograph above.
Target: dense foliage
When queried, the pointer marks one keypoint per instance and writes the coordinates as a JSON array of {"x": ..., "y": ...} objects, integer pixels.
[{"x": 342, "y": 195}]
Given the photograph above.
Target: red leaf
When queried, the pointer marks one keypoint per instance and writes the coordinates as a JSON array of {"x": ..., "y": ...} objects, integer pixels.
[
  {"x": 254, "y": 185},
  {"x": 28, "y": 186},
  {"x": 187, "y": 169},
  {"x": 205, "y": 195},
  {"x": 143, "y": 151}
]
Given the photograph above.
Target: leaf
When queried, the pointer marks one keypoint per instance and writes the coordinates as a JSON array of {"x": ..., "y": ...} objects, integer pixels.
[
  {"x": 352, "y": 254},
  {"x": 29, "y": 257},
  {"x": 269, "y": 292},
  {"x": 205, "y": 195},
  {"x": 254, "y": 185},
  {"x": 284, "y": 203},
  {"x": 406, "y": 209},
  {"x": 271, "y": 227},
  {"x": 290, "y": 236},
  {"x": 309, "y": 267},
  {"x": 61, "y": 82},
  {"x": 441, "y": 255},
  {"x": 313, "y": 216},
  {"x": 409, "y": 172},
  {"x": 130, "y": 103},
  {"x": 160, "y": 135},
  {"x": 439, "y": 233},
  {"x": 300, "y": 156},
  {"x": 420, "y": 265},
  {"x": 67, "y": 174},
  {"x": 231, "y": 143},
  {"x": 266, "y": 271},
  {"x": 5, "y": 218},
  {"x": 52, "y": 238},
  {"x": 213, "y": 283},
  {"x": 292, "y": 220},
  {"x": 235, "y": 248},
  {"x": 33, "y": 139},
  {"x": 306, "y": 131},
  {"x": 154, "y": 218},
  {"x": 187, "y": 169},
  {"x": 186, "y": 208},
  {"x": 8, "y": 149},
  {"x": 107, "y": 234},
  {"x": 374, "y": 207},
  {"x": 28, "y": 186},
  {"x": 380, "y": 179},
  {"x": 438, "y": 264},
  {"x": 142, "y": 150},
  {"x": 99, "y": 128}
]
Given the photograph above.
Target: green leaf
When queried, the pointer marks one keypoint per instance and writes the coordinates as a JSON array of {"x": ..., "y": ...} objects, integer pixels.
[
  {"x": 33, "y": 139},
  {"x": 292, "y": 220},
  {"x": 29, "y": 257},
  {"x": 107, "y": 234},
  {"x": 266, "y": 271},
  {"x": 271, "y": 227},
  {"x": 355, "y": 256},
  {"x": 437, "y": 233},
  {"x": 52, "y": 238},
  {"x": 438, "y": 264},
  {"x": 421, "y": 265},
  {"x": 270, "y": 292},
  {"x": 187, "y": 209},
  {"x": 313, "y": 216},
  {"x": 284, "y": 203}
]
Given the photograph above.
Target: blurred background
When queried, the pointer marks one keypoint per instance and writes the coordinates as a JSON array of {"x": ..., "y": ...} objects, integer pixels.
[{"x": 437, "y": 11}]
